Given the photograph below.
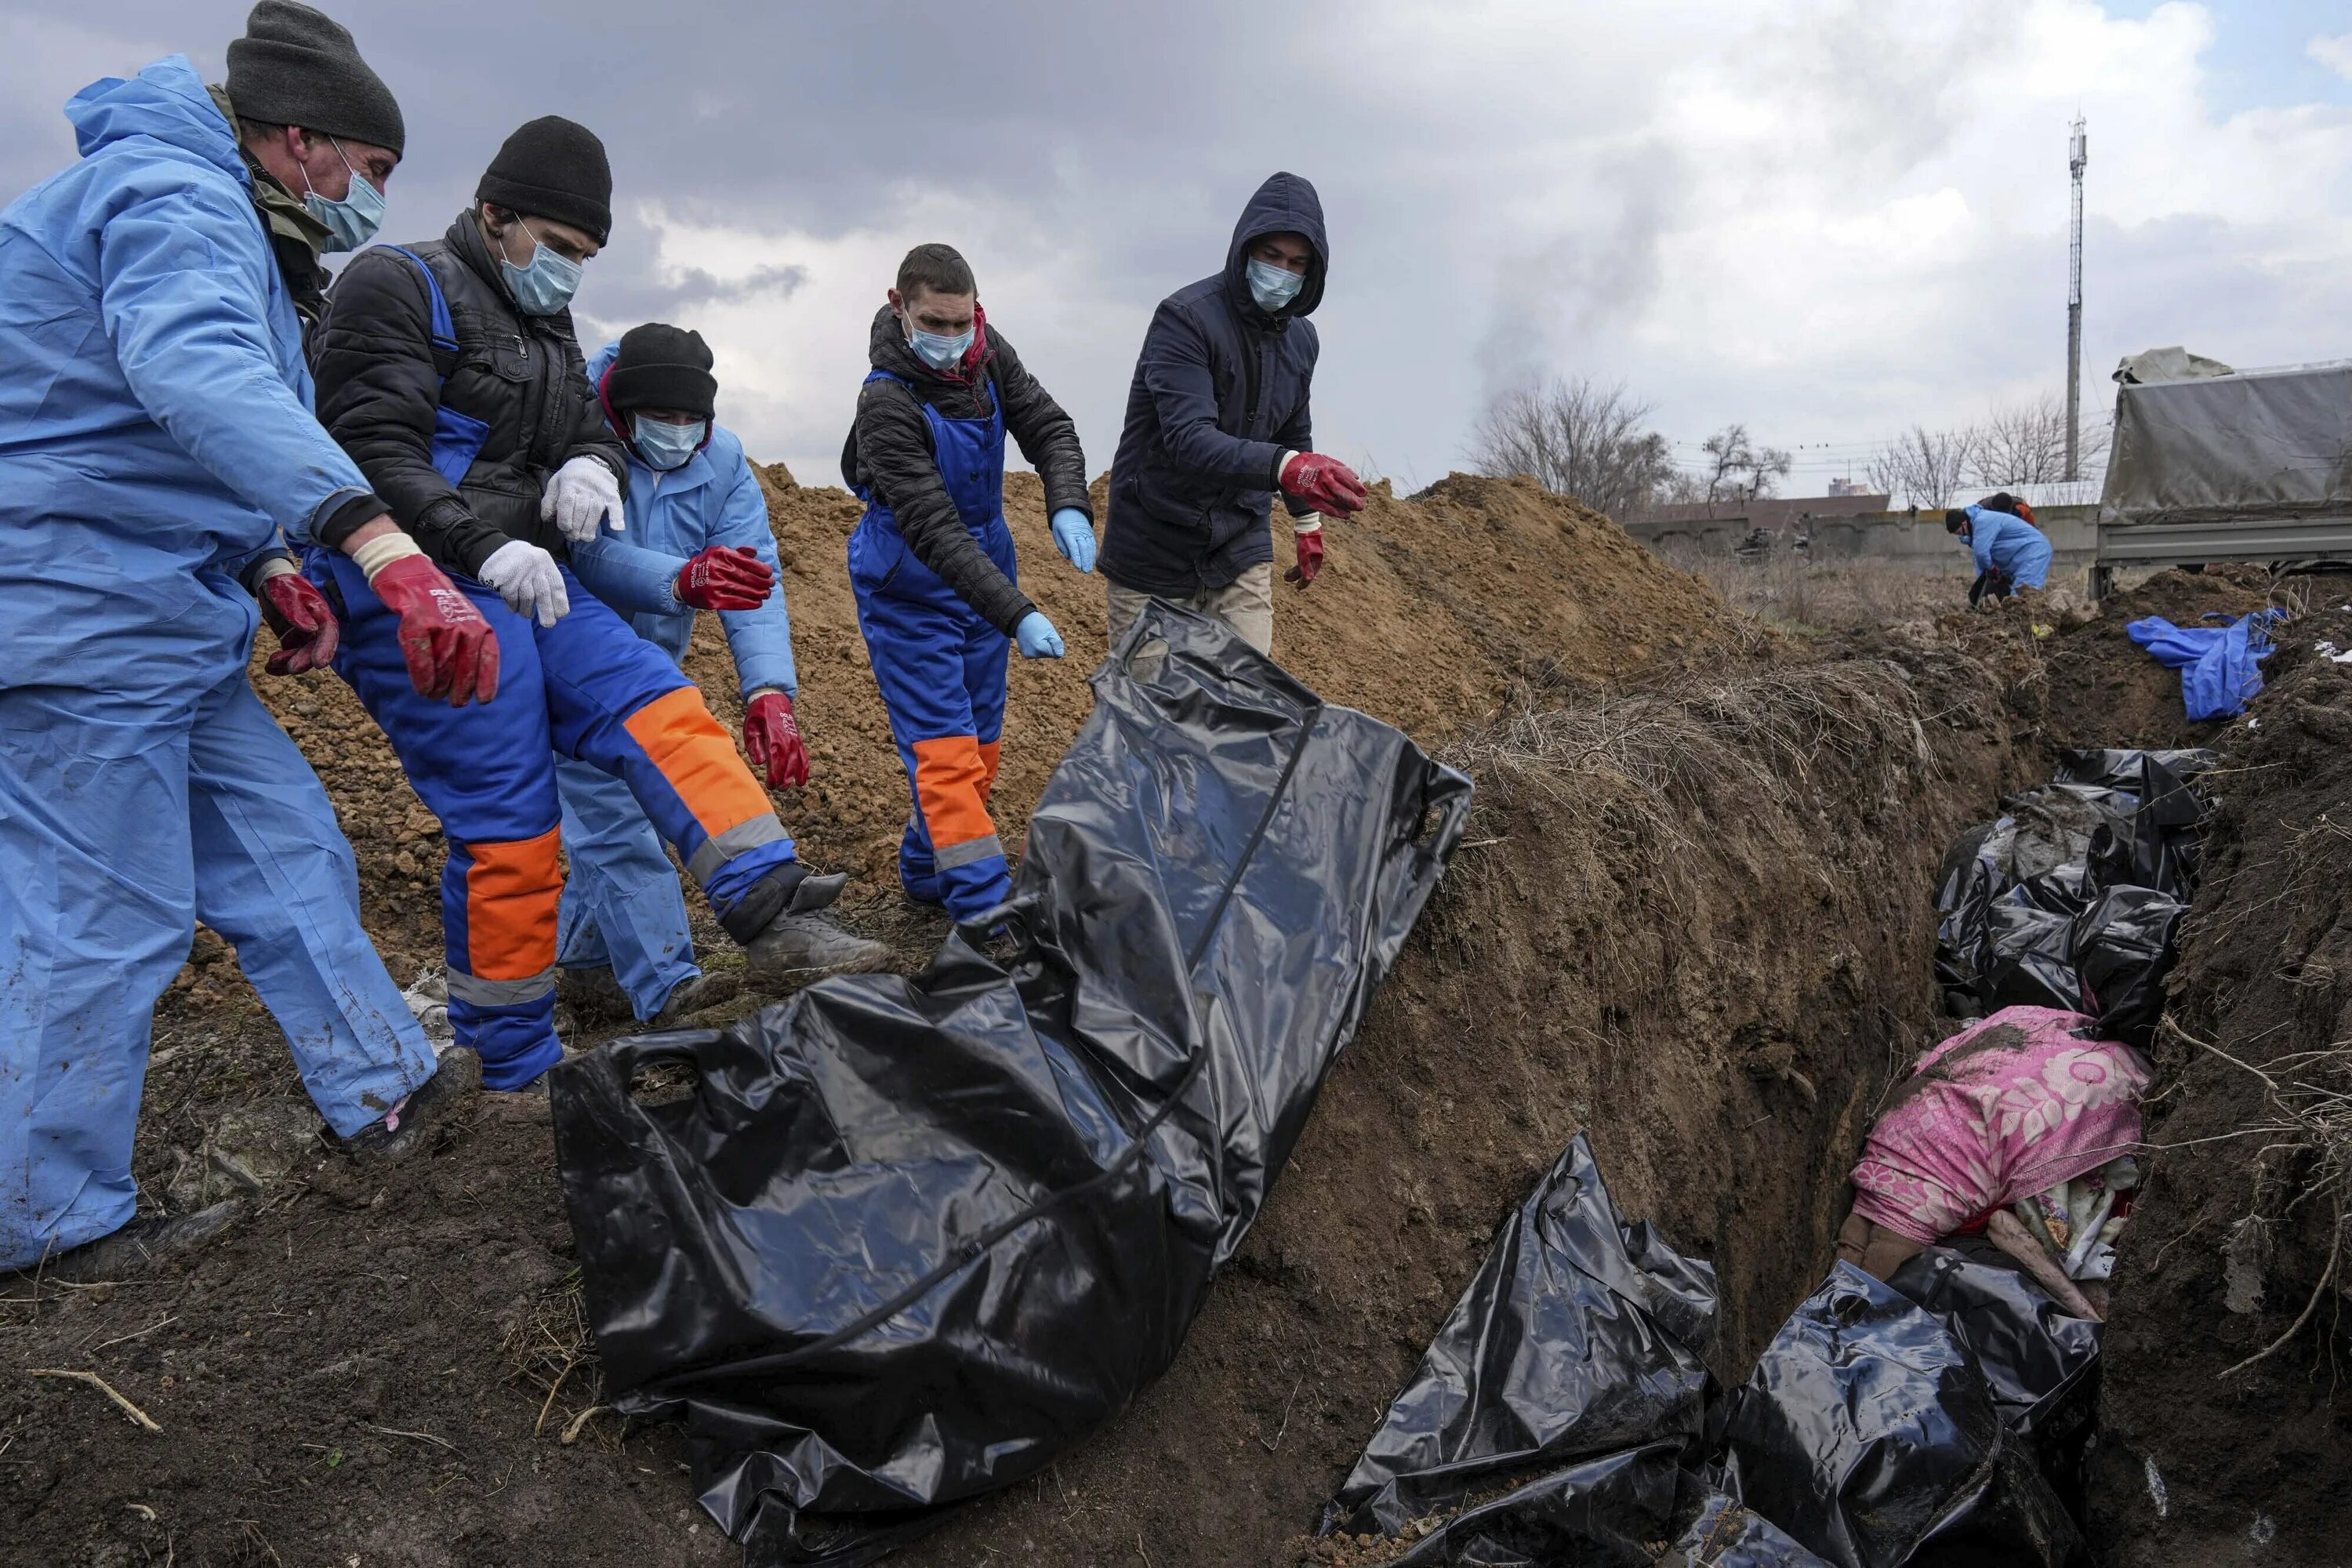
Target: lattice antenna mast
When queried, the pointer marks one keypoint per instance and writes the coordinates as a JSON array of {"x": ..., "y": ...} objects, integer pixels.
[{"x": 2077, "y": 154}]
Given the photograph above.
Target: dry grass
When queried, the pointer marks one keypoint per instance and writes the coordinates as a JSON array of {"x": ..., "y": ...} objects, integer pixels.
[{"x": 1792, "y": 592}]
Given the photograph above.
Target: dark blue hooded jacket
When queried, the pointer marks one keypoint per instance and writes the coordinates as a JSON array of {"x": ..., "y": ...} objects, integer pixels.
[{"x": 1220, "y": 393}]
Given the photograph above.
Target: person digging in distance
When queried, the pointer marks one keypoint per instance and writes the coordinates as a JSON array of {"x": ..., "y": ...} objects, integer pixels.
[
  {"x": 698, "y": 536},
  {"x": 933, "y": 562},
  {"x": 156, "y": 444},
  {"x": 2009, "y": 552},
  {"x": 1218, "y": 420},
  {"x": 450, "y": 371}
]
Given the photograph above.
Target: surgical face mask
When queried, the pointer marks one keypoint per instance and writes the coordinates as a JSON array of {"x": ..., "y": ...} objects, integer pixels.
[
  {"x": 938, "y": 350},
  {"x": 666, "y": 446},
  {"x": 351, "y": 222},
  {"x": 546, "y": 283},
  {"x": 1273, "y": 287}
]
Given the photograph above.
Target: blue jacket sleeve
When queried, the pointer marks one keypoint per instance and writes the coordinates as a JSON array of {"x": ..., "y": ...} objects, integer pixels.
[
  {"x": 182, "y": 286},
  {"x": 761, "y": 639},
  {"x": 1183, "y": 392},
  {"x": 628, "y": 577},
  {"x": 1983, "y": 532}
]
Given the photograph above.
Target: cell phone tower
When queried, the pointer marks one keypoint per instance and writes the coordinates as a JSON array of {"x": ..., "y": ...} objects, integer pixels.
[{"x": 2077, "y": 154}]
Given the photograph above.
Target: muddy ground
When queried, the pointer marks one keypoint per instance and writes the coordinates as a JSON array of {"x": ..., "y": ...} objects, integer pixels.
[{"x": 1691, "y": 918}]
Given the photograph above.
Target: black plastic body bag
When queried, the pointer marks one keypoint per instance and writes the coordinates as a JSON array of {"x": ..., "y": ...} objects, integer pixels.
[{"x": 908, "y": 1239}]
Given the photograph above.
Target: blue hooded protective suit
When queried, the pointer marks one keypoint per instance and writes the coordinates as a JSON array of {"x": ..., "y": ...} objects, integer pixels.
[
  {"x": 623, "y": 905},
  {"x": 155, "y": 432},
  {"x": 2010, "y": 545}
]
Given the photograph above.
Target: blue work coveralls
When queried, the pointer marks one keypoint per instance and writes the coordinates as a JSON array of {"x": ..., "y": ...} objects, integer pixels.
[
  {"x": 623, "y": 905},
  {"x": 2009, "y": 545},
  {"x": 156, "y": 433},
  {"x": 942, "y": 671}
]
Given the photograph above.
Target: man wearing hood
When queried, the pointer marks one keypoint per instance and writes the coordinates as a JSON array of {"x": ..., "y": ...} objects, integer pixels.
[
  {"x": 696, "y": 520},
  {"x": 931, "y": 562},
  {"x": 449, "y": 370},
  {"x": 1217, "y": 421},
  {"x": 2009, "y": 552},
  {"x": 155, "y": 441}
]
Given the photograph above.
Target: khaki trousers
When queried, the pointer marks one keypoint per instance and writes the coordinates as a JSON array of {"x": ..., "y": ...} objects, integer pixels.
[{"x": 1247, "y": 607}]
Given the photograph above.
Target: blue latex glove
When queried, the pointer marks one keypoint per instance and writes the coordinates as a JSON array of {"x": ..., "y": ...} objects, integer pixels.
[
  {"x": 1074, "y": 536},
  {"x": 1036, "y": 636}
]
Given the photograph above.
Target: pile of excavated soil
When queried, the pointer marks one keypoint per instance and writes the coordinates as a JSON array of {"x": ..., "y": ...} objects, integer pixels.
[{"x": 2234, "y": 1246}]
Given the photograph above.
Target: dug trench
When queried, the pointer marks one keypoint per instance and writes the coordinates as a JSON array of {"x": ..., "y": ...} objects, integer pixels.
[{"x": 1690, "y": 917}]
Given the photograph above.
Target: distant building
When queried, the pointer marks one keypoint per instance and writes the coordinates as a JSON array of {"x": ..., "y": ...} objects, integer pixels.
[
  {"x": 1845, "y": 488},
  {"x": 1775, "y": 513}
]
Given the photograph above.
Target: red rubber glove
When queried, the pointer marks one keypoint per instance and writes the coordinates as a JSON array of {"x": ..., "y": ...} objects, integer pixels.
[
  {"x": 1326, "y": 484},
  {"x": 772, "y": 738},
  {"x": 721, "y": 578},
  {"x": 451, "y": 650},
  {"x": 1310, "y": 558},
  {"x": 303, "y": 620}
]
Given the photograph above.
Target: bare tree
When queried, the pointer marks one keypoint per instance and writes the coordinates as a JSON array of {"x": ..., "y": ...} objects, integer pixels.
[
  {"x": 1738, "y": 470},
  {"x": 2025, "y": 444},
  {"x": 1923, "y": 467},
  {"x": 1577, "y": 439}
]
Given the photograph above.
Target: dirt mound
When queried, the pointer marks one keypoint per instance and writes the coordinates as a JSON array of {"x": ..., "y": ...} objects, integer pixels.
[{"x": 2236, "y": 1245}]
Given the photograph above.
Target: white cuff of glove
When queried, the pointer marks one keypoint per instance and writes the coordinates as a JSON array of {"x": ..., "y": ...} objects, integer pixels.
[
  {"x": 526, "y": 578},
  {"x": 1312, "y": 525},
  {"x": 1282, "y": 468},
  {"x": 579, "y": 497},
  {"x": 381, "y": 551},
  {"x": 275, "y": 566}
]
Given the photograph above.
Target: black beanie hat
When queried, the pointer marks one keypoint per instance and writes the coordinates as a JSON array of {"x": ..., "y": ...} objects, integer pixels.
[
  {"x": 1955, "y": 520},
  {"x": 296, "y": 67},
  {"x": 661, "y": 366},
  {"x": 553, "y": 168}
]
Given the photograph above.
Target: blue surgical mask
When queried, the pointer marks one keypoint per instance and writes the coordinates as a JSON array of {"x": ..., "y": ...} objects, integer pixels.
[
  {"x": 544, "y": 286},
  {"x": 936, "y": 348},
  {"x": 665, "y": 445},
  {"x": 351, "y": 222},
  {"x": 1273, "y": 287}
]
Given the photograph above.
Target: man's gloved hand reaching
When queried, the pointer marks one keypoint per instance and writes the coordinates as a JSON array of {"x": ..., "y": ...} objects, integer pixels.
[
  {"x": 579, "y": 497},
  {"x": 1326, "y": 484},
  {"x": 772, "y": 739},
  {"x": 1074, "y": 536},
  {"x": 301, "y": 615},
  {"x": 526, "y": 577},
  {"x": 450, "y": 648},
  {"x": 1036, "y": 638},
  {"x": 725, "y": 578},
  {"x": 1310, "y": 554}
]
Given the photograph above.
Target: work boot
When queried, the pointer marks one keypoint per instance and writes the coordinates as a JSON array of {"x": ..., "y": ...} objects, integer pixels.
[
  {"x": 139, "y": 1245},
  {"x": 692, "y": 994},
  {"x": 594, "y": 995},
  {"x": 809, "y": 947},
  {"x": 404, "y": 1128}
]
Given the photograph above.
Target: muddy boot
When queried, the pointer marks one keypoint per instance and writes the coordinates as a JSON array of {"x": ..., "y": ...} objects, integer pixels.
[
  {"x": 594, "y": 996},
  {"x": 809, "y": 947},
  {"x": 140, "y": 1246},
  {"x": 692, "y": 994},
  {"x": 405, "y": 1126}
]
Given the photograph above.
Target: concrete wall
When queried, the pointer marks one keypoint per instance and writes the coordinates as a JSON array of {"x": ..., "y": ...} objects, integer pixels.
[{"x": 1918, "y": 541}]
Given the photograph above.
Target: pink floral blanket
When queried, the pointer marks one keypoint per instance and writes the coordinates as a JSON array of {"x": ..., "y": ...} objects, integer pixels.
[{"x": 2012, "y": 1104}]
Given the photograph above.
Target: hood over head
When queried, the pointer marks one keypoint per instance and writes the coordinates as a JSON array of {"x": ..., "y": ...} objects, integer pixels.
[
  {"x": 167, "y": 101},
  {"x": 1286, "y": 204}
]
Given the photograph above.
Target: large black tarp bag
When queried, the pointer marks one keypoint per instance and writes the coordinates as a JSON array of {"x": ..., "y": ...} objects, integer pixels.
[
  {"x": 1725, "y": 1534},
  {"x": 2041, "y": 1362},
  {"x": 1869, "y": 1433},
  {"x": 906, "y": 1240},
  {"x": 1582, "y": 1334}
]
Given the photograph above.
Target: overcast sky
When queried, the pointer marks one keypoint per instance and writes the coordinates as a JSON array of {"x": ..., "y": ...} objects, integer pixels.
[{"x": 1828, "y": 220}]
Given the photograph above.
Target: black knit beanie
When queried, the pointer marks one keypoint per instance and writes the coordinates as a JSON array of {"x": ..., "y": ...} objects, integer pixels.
[
  {"x": 661, "y": 366},
  {"x": 553, "y": 168},
  {"x": 1955, "y": 520},
  {"x": 296, "y": 67}
]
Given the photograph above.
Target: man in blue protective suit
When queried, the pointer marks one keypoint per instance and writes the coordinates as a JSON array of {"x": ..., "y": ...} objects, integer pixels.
[
  {"x": 155, "y": 438},
  {"x": 932, "y": 564},
  {"x": 697, "y": 535},
  {"x": 2011, "y": 552},
  {"x": 450, "y": 371}
]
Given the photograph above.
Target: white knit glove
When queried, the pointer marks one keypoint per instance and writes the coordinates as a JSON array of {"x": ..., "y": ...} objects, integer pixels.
[
  {"x": 580, "y": 496},
  {"x": 525, "y": 576}
]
